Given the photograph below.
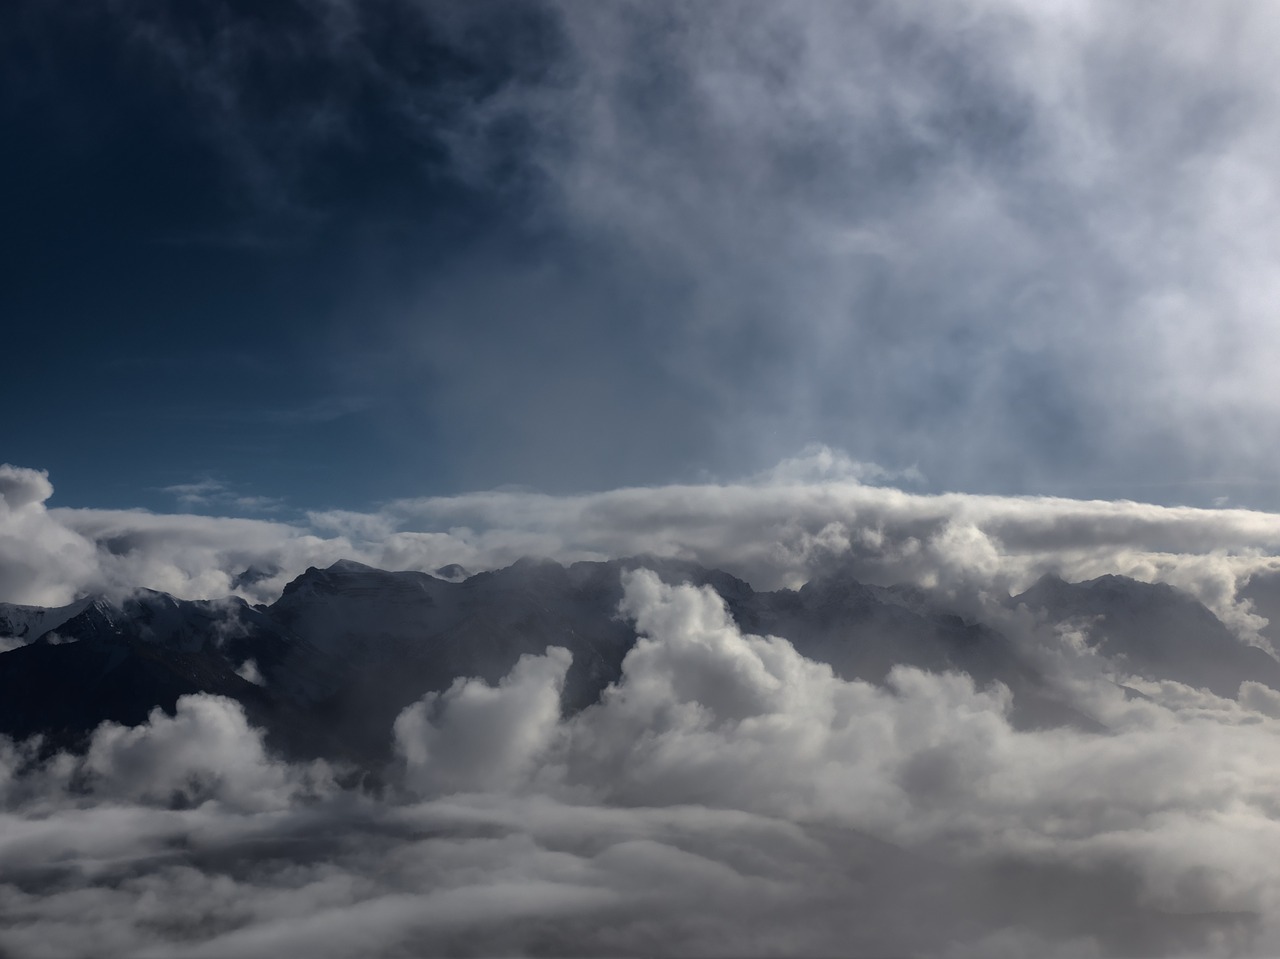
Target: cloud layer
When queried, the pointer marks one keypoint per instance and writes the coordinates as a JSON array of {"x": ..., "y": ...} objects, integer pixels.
[
  {"x": 776, "y": 529},
  {"x": 726, "y": 797}
]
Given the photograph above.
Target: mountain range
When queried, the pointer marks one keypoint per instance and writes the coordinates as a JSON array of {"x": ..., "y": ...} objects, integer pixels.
[{"x": 327, "y": 667}]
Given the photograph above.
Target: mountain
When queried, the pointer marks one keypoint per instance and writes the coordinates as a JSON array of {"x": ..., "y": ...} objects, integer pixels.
[
  {"x": 387, "y": 638},
  {"x": 62, "y": 691},
  {"x": 328, "y": 666},
  {"x": 336, "y": 658},
  {"x": 1154, "y": 631},
  {"x": 863, "y": 631},
  {"x": 19, "y": 624}
]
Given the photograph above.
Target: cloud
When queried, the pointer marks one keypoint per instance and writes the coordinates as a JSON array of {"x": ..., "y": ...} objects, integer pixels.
[
  {"x": 474, "y": 737},
  {"x": 51, "y": 557},
  {"x": 207, "y": 750},
  {"x": 1019, "y": 248},
  {"x": 779, "y": 528},
  {"x": 215, "y": 494},
  {"x": 726, "y": 797},
  {"x": 20, "y": 487},
  {"x": 196, "y": 494}
]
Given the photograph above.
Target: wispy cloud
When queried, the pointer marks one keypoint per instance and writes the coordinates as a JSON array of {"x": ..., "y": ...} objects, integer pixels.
[{"x": 215, "y": 494}]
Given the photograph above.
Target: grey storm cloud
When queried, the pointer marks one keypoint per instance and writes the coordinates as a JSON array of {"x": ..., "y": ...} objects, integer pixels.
[
  {"x": 1005, "y": 241},
  {"x": 726, "y": 797},
  {"x": 1023, "y": 246}
]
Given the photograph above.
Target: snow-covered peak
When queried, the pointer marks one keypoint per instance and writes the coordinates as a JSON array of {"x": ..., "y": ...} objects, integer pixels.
[{"x": 25, "y": 623}]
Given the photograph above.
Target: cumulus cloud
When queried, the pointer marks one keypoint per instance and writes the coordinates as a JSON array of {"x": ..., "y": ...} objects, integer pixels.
[
  {"x": 207, "y": 750},
  {"x": 726, "y": 797},
  {"x": 474, "y": 737},
  {"x": 21, "y": 487}
]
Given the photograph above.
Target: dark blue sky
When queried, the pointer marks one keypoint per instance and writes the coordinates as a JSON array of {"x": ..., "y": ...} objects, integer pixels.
[
  {"x": 307, "y": 254},
  {"x": 183, "y": 292}
]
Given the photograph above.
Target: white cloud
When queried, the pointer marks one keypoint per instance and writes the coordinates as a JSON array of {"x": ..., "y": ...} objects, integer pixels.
[
  {"x": 1177, "y": 796},
  {"x": 198, "y": 493},
  {"x": 778, "y": 528},
  {"x": 474, "y": 737},
  {"x": 215, "y": 494},
  {"x": 205, "y": 752},
  {"x": 1026, "y": 246},
  {"x": 21, "y": 487},
  {"x": 248, "y": 671},
  {"x": 727, "y": 797}
]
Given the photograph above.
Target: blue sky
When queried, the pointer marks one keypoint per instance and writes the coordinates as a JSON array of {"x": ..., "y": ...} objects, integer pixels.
[{"x": 268, "y": 257}]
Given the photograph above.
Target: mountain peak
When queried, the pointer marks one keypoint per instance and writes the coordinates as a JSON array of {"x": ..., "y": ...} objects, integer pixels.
[
  {"x": 350, "y": 566},
  {"x": 313, "y": 578},
  {"x": 453, "y": 572}
]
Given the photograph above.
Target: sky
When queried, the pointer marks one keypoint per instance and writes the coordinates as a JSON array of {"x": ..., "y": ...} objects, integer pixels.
[
  {"x": 269, "y": 258},
  {"x": 951, "y": 295}
]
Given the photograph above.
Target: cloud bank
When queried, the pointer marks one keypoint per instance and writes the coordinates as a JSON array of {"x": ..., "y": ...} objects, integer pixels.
[
  {"x": 726, "y": 797},
  {"x": 778, "y": 528}
]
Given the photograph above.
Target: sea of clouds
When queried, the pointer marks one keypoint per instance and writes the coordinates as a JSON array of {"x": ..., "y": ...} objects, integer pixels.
[{"x": 726, "y": 797}]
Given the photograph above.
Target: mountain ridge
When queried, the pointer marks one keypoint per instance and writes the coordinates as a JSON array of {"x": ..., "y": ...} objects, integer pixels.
[{"x": 326, "y": 668}]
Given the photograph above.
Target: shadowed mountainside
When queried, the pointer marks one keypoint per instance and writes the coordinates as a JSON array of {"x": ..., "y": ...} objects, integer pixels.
[{"x": 327, "y": 667}]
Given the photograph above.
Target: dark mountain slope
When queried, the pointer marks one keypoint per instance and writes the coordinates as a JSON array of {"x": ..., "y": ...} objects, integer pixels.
[
  {"x": 1155, "y": 631},
  {"x": 328, "y": 667}
]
